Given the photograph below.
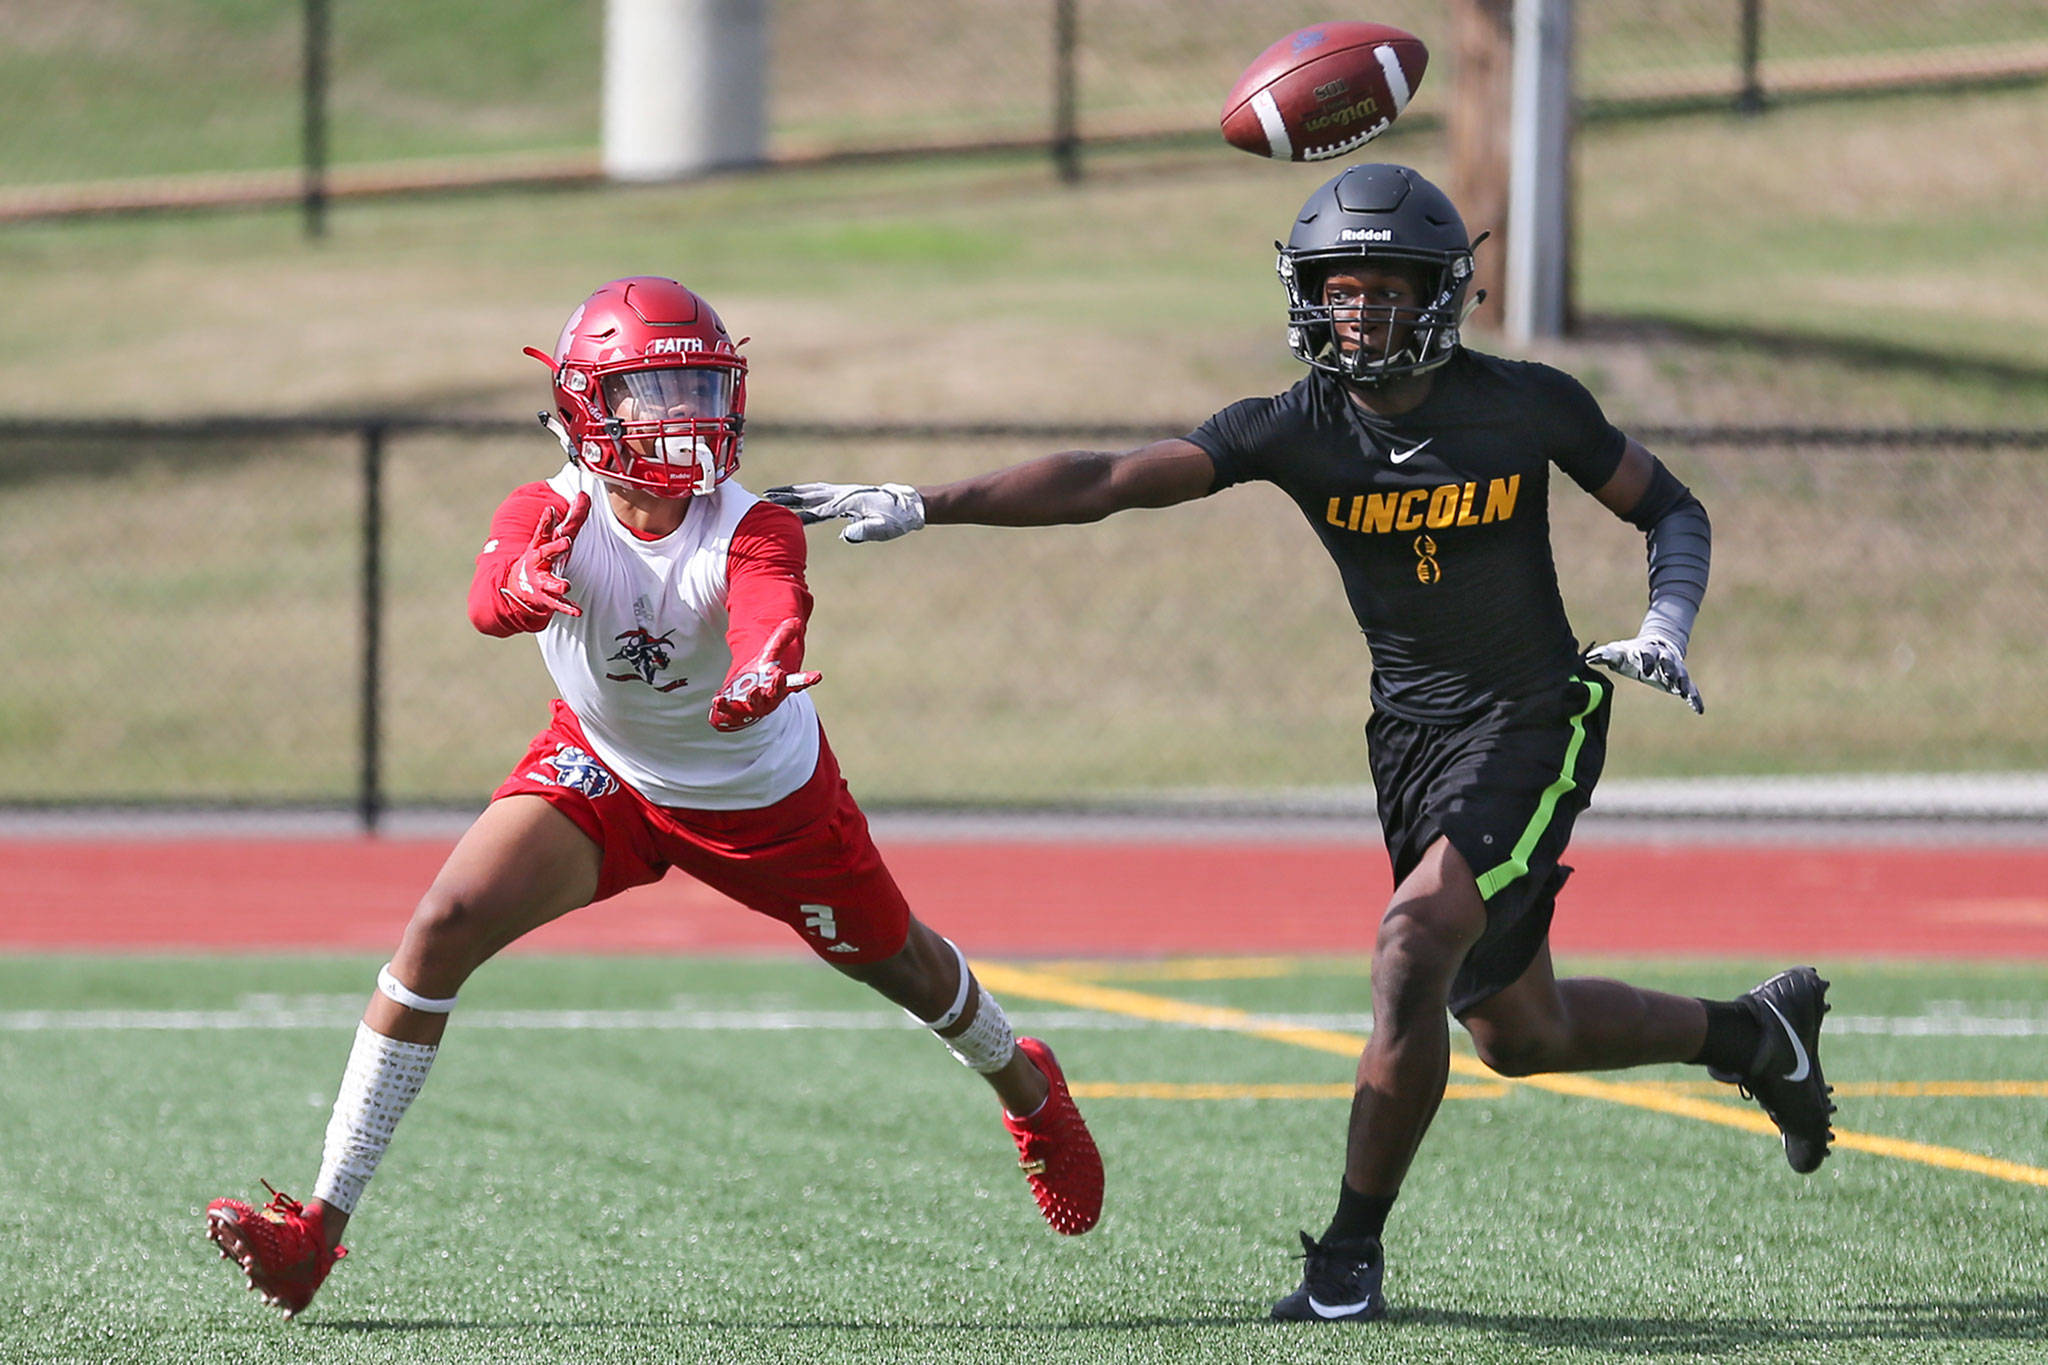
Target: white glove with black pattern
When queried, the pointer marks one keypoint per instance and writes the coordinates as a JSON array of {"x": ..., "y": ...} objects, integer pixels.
[
  {"x": 1650, "y": 659},
  {"x": 878, "y": 511}
]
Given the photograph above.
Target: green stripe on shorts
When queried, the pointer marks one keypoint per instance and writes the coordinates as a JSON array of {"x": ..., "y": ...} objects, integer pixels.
[{"x": 1517, "y": 864}]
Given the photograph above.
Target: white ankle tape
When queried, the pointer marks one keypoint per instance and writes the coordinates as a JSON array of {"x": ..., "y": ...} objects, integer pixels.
[
  {"x": 400, "y": 993},
  {"x": 988, "y": 1044},
  {"x": 951, "y": 1016}
]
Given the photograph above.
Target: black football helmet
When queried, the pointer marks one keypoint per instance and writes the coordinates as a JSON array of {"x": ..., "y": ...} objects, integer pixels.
[{"x": 1386, "y": 216}]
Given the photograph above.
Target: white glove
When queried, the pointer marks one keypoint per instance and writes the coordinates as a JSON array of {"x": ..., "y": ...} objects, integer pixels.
[
  {"x": 878, "y": 511},
  {"x": 1651, "y": 659}
]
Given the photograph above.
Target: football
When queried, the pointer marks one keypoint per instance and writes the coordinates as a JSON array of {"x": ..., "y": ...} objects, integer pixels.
[{"x": 1324, "y": 91}]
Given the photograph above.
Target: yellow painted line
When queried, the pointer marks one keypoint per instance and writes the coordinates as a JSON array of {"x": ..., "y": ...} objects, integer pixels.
[
  {"x": 1039, "y": 985},
  {"x": 1182, "y": 969},
  {"x": 1207, "y": 968},
  {"x": 1165, "y": 1090},
  {"x": 1655, "y": 1100},
  {"x": 1947, "y": 1090},
  {"x": 1159, "y": 1009},
  {"x": 1950, "y": 1158},
  {"x": 1911, "y": 1090}
]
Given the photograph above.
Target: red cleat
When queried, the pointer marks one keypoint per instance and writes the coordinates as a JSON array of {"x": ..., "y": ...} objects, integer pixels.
[
  {"x": 1056, "y": 1152},
  {"x": 281, "y": 1247}
]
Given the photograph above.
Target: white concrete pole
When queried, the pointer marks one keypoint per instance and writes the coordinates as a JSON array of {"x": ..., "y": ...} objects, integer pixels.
[
  {"x": 685, "y": 86},
  {"x": 1539, "y": 178}
]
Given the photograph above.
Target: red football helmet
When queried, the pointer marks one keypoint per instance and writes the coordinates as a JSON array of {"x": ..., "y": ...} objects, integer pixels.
[{"x": 649, "y": 388}]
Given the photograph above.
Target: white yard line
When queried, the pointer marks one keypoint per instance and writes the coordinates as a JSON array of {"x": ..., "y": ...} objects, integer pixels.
[{"x": 1995, "y": 1021}]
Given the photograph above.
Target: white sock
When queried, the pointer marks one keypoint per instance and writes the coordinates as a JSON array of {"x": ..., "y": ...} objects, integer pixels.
[{"x": 382, "y": 1078}]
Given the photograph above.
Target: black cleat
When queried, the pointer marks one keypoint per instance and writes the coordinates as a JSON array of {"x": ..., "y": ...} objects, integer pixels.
[
  {"x": 1785, "y": 1077},
  {"x": 1340, "y": 1282}
]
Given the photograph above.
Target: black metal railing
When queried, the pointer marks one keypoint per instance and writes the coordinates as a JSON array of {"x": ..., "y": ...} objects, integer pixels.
[{"x": 216, "y": 618}]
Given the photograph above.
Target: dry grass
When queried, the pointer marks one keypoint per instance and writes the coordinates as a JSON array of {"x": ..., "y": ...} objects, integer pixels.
[
  {"x": 978, "y": 291},
  {"x": 1875, "y": 611},
  {"x": 1863, "y": 617}
]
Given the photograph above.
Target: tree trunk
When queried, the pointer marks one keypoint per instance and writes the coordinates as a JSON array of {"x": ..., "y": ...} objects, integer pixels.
[{"x": 1482, "y": 82}]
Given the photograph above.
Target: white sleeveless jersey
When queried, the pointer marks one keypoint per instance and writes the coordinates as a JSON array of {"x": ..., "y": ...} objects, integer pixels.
[{"x": 640, "y": 666}]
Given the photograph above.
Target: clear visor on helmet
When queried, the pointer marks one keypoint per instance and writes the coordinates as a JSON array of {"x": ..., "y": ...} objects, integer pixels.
[{"x": 679, "y": 394}]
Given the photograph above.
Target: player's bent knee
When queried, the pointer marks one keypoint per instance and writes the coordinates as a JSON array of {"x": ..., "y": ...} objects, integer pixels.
[
  {"x": 1411, "y": 940},
  {"x": 1512, "y": 1054},
  {"x": 1510, "y": 1059},
  {"x": 448, "y": 934}
]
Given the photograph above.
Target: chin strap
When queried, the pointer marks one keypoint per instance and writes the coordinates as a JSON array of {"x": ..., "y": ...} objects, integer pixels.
[{"x": 560, "y": 432}]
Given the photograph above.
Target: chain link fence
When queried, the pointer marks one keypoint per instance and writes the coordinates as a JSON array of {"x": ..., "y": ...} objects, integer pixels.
[
  {"x": 238, "y": 614},
  {"x": 1640, "y": 56},
  {"x": 121, "y": 102},
  {"x": 245, "y": 616}
]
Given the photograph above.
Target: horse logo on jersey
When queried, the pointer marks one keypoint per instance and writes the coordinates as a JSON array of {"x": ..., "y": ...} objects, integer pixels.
[
  {"x": 576, "y": 770},
  {"x": 646, "y": 654}
]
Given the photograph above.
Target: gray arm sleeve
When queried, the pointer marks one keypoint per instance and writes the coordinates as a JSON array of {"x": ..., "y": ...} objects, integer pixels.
[{"x": 1681, "y": 542}]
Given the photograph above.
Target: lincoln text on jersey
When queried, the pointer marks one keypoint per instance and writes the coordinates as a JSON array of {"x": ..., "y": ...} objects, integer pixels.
[{"x": 1447, "y": 504}]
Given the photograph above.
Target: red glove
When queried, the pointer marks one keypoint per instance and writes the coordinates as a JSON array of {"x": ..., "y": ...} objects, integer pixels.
[
  {"x": 761, "y": 686},
  {"x": 532, "y": 583}
]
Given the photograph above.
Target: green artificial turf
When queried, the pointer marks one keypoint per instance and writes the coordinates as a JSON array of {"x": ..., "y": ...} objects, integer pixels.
[{"x": 754, "y": 1160}]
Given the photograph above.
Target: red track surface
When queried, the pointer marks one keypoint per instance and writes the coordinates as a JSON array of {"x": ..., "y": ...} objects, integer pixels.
[{"x": 1042, "y": 898}]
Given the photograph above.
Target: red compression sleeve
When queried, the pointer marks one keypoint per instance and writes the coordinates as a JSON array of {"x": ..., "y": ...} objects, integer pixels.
[
  {"x": 764, "y": 585},
  {"x": 490, "y": 611}
]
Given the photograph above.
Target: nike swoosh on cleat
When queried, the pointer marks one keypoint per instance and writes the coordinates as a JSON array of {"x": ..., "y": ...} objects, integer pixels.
[
  {"x": 1797, "y": 1073},
  {"x": 1342, "y": 1310},
  {"x": 1402, "y": 456}
]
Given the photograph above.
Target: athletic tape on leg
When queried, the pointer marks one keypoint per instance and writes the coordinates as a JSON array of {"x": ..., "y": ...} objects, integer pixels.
[
  {"x": 400, "y": 993},
  {"x": 987, "y": 1044},
  {"x": 382, "y": 1078}
]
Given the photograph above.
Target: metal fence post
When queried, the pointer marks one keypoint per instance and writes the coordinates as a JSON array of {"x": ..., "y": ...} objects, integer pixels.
[
  {"x": 1539, "y": 278},
  {"x": 370, "y": 785},
  {"x": 1751, "y": 98},
  {"x": 1066, "y": 131},
  {"x": 313, "y": 126}
]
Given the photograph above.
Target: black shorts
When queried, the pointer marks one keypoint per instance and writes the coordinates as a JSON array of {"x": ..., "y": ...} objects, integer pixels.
[{"x": 1505, "y": 788}]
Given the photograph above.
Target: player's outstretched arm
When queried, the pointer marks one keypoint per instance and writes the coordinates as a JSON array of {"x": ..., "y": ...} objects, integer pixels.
[
  {"x": 761, "y": 684},
  {"x": 1055, "y": 490},
  {"x": 516, "y": 587},
  {"x": 767, "y": 606},
  {"x": 1645, "y": 493}
]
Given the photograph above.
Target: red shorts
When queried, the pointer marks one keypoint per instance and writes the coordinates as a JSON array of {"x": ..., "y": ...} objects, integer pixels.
[{"x": 807, "y": 860}]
